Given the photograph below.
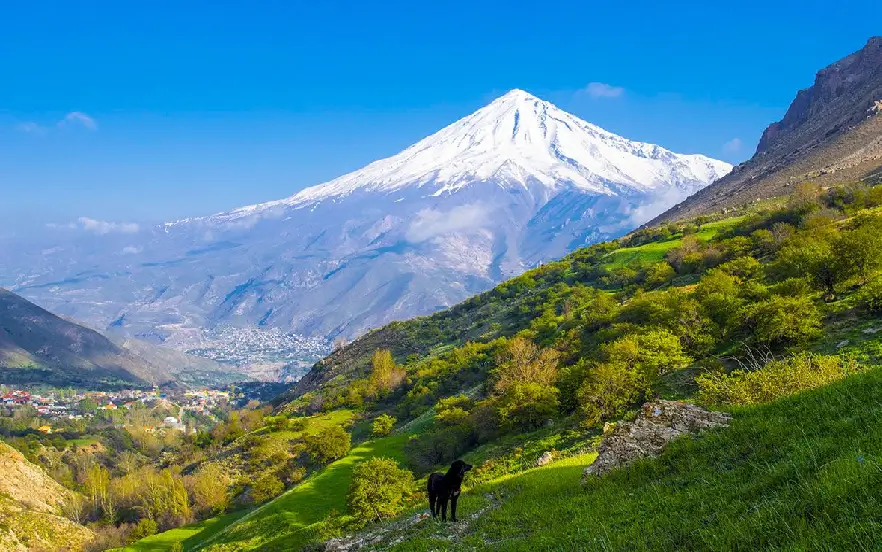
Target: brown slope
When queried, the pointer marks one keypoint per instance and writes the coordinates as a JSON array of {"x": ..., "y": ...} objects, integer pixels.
[
  {"x": 831, "y": 134},
  {"x": 31, "y": 506}
]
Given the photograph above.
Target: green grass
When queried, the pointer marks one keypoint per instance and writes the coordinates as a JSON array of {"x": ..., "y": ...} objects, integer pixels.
[
  {"x": 654, "y": 252},
  {"x": 287, "y": 522},
  {"x": 284, "y": 523},
  {"x": 802, "y": 473},
  {"x": 189, "y": 535}
]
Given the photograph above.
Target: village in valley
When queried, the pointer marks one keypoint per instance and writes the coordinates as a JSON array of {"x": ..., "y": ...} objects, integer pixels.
[{"x": 68, "y": 404}]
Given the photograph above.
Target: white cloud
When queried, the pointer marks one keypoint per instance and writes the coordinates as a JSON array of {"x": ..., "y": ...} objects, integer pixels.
[
  {"x": 131, "y": 250},
  {"x": 733, "y": 146},
  {"x": 79, "y": 118},
  {"x": 655, "y": 204},
  {"x": 430, "y": 223},
  {"x": 104, "y": 227},
  {"x": 603, "y": 90},
  {"x": 30, "y": 128},
  {"x": 99, "y": 227}
]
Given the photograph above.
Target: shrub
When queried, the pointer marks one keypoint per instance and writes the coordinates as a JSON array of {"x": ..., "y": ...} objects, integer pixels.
[
  {"x": 776, "y": 379},
  {"x": 607, "y": 392},
  {"x": 659, "y": 274},
  {"x": 329, "y": 444},
  {"x": 145, "y": 528},
  {"x": 379, "y": 490},
  {"x": 527, "y": 405},
  {"x": 784, "y": 320},
  {"x": 266, "y": 488},
  {"x": 208, "y": 489},
  {"x": 383, "y": 425},
  {"x": 870, "y": 296}
]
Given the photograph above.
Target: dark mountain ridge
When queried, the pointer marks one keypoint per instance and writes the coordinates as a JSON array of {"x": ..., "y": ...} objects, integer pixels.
[{"x": 38, "y": 347}]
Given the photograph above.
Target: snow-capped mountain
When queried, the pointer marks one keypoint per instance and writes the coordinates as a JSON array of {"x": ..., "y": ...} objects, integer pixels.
[
  {"x": 517, "y": 140},
  {"x": 517, "y": 182}
]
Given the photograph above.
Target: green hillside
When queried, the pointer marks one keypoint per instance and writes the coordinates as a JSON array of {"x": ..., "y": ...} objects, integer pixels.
[{"x": 761, "y": 314}]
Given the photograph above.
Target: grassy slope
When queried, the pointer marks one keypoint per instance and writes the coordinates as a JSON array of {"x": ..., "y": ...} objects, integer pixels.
[
  {"x": 189, "y": 535},
  {"x": 655, "y": 251},
  {"x": 803, "y": 473},
  {"x": 284, "y": 523}
]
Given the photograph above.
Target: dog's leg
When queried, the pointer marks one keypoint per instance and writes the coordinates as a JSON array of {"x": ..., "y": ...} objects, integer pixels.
[
  {"x": 433, "y": 499},
  {"x": 453, "y": 500},
  {"x": 443, "y": 508}
]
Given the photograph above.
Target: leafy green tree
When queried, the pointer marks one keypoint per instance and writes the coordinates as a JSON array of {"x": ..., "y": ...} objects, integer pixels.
[
  {"x": 379, "y": 490},
  {"x": 385, "y": 374},
  {"x": 659, "y": 274},
  {"x": 521, "y": 361},
  {"x": 329, "y": 444},
  {"x": 382, "y": 425},
  {"x": 815, "y": 255},
  {"x": 860, "y": 248},
  {"x": 608, "y": 392},
  {"x": 527, "y": 405},
  {"x": 870, "y": 296}
]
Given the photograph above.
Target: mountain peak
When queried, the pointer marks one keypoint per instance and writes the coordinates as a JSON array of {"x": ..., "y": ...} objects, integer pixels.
[{"x": 518, "y": 140}]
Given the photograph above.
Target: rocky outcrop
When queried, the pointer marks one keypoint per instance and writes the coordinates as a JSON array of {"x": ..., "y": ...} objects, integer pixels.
[{"x": 658, "y": 423}]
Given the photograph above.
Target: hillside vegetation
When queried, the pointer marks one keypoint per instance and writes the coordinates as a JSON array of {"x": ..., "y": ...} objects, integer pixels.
[
  {"x": 734, "y": 313},
  {"x": 33, "y": 508}
]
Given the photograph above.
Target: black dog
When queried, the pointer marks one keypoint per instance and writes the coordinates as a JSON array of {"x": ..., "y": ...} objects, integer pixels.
[{"x": 446, "y": 487}]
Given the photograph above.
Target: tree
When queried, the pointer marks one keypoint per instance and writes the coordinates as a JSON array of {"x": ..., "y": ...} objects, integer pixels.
[
  {"x": 329, "y": 444},
  {"x": 784, "y": 320},
  {"x": 527, "y": 405},
  {"x": 860, "y": 248},
  {"x": 659, "y": 274},
  {"x": 385, "y": 374},
  {"x": 521, "y": 361},
  {"x": 383, "y": 425},
  {"x": 379, "y": 490},
  {"x": 815, "y": 255},
  {"x": 208, "y": 489},
  {"x": 608, "y": 391}
]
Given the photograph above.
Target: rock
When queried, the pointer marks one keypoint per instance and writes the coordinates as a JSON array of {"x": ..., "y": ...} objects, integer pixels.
[
  {"x": 842, "y": 344},
  {"x": 545, "y": 459},
  {"x": 658, "y": 423}
]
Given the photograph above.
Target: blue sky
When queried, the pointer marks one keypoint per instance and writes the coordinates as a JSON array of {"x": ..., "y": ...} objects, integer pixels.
[{"x": 151, "y": 111}]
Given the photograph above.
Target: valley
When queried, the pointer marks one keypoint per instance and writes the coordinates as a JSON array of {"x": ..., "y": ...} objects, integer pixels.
[{"x": 579, "y": 340}]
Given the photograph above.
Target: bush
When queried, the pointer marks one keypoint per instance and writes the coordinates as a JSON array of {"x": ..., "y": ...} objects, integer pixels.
[
  {"x": 776, "y": 379},
  {"x": 383, "y": 425},
  {"x": 145, "y": 528},
  {"x": 527, "y": 405},
  {"x": 608, "y": 392},
  {"x": 329, "y": 444},
  {"x": 379, "y": 490},
  {"x": 870, "y": 296},
  {"x": 784, "y": 320},
  {"x": 266, "y": 488}
]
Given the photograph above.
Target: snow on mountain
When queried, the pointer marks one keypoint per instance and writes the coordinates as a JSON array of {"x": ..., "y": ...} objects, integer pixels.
[
  {"x": 516, "y": 139},
  {"x": 513, "y": 184}
]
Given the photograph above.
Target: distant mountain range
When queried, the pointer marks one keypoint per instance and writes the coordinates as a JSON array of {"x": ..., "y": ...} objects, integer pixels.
[
  {"x": 831, "y": 134},
  {"x": 516, "y": 183},
  {"x": 37, "y": 347}
]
